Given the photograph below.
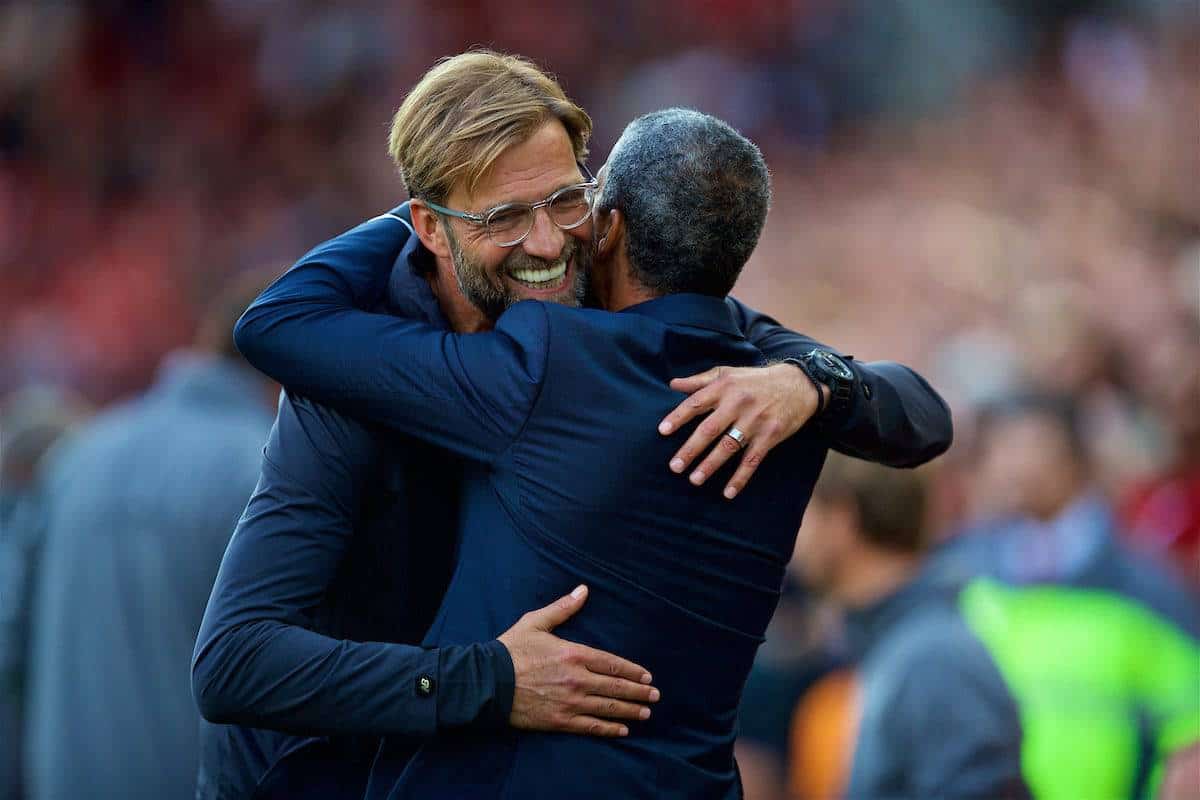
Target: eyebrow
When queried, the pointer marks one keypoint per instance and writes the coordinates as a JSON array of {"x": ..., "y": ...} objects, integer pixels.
[{"x": 582, "y": 179}]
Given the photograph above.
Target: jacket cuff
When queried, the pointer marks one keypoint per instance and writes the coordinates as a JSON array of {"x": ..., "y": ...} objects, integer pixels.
[
  {"x": 850, "y": 416},
  {"x": 475, "y": 685}
]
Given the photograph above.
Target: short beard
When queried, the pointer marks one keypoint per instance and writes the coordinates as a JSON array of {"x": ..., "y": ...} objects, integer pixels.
[{"x": 493, "y": 297}]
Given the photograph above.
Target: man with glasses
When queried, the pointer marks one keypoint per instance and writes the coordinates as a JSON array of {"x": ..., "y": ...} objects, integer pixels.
[
  {"x": 357, "y": 522},
  {"x": 508, "y": 225}
]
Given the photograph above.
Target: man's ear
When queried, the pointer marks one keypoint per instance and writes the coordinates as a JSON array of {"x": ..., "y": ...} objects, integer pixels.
[
  {"x": 610, "y": 229},
  {"x": 428, "y": 227}
]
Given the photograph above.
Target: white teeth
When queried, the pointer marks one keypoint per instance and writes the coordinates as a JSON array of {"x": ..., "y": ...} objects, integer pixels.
[{"x": 540, "y": 275}]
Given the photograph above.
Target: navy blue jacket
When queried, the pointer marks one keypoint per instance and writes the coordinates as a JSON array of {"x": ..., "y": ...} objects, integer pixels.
[
  {"x": 303, "y": 298},
  {"x": 348, "y": 538}
]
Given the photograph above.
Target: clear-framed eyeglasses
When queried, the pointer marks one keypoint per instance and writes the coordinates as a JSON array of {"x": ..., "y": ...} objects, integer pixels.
[{"x": 508, "y": 224}]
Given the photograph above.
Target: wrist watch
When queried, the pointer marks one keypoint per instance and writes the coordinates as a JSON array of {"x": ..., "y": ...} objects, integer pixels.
[{"x": 828, "y": 369}]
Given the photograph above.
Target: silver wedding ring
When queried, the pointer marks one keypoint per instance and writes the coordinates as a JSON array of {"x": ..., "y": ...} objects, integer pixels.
[{"x": 736, "y": 435}]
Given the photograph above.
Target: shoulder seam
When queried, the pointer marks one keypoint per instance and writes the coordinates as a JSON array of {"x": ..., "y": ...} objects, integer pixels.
[{"x": 396, "y": 217}]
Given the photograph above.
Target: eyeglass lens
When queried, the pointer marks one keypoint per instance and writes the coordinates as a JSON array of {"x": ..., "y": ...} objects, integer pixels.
[{"x": 567, "y": 209}]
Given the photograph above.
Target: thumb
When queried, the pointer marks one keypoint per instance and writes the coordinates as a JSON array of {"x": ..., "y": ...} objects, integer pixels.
[
  {"x": 550, "y": 617},
  {"x": 694, "y": 383}
]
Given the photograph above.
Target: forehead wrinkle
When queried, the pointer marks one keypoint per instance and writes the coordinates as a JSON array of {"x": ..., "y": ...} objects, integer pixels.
[
  {"x": 528, "y": 186},
  {"x": 529, "y": 171}
]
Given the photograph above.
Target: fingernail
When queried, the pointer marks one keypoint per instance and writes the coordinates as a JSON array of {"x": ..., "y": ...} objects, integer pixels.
[
  {"x": 654, "y": 695},
  {"x": 665, "y": 427},
  {"x": 646, "y": 677},
  {"x": 730, "y": 492},
  {"x": 677, "y": 465},
  {"x": 644, "y": 713},
  {"x": 578, "y": 591},
  {"x": 698, "y": 477},
  {"x": 623, "y": 731}
]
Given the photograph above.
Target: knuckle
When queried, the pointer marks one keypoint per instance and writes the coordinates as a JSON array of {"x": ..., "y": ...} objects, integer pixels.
[
  {"x": 729, "y": 445},
  {"x": 708, "y": 427},
  {"x": 752, "y": 460}
]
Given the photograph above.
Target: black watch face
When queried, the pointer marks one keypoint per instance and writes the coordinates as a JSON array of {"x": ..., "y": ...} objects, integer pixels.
[{"x": 835, "y": 366}]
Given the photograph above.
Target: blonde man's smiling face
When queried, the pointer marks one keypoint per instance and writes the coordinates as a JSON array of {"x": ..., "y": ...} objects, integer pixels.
[{"x": 551, "y": 263}]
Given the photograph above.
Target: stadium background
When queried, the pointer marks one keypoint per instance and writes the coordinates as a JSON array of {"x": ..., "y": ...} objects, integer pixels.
[{"x": 1001, "y": 194}]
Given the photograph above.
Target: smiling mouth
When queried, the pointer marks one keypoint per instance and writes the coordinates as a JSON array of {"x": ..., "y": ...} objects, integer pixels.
[{"x": 549, "y": 278}]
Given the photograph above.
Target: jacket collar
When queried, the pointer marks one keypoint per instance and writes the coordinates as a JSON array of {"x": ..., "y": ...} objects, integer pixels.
[
  {"x": 409, "y": 294},
  {"x": 691, "y": 311}
]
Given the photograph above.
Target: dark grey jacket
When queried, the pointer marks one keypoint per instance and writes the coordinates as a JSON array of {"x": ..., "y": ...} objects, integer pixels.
[{"x": 937, "y": 720}]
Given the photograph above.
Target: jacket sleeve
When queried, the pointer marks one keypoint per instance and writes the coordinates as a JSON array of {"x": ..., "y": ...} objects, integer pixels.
[
  {"x": 895, "y": 417},
  {"x": 258, "y": 663},
  {"x": 468, "y": 394}
]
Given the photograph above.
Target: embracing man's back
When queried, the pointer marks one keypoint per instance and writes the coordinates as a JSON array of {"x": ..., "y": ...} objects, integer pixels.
[
  {"x": 566, "y": 482},
  {"x": 682, "y": 579}
]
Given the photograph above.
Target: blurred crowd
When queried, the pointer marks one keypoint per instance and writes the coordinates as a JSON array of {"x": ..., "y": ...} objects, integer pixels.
[{"x": 1002, "y": 194}]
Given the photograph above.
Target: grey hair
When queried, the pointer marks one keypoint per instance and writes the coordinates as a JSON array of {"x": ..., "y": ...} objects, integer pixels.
[{"x": 694, "y": 193}]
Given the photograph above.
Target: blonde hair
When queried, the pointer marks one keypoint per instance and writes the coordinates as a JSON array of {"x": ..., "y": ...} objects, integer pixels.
[{"x": 466, "y": 111}]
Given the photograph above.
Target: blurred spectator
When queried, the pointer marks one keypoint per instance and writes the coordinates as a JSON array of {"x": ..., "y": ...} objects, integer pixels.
[
  {"x": 31, "y": 421},
  {"x": 1044, "y": 523},
  {"x": 139, "y": 508},
  {"x": 1108, "y": 692},
  {"x": 934, "y": 716},
  {"x": 1042, "y": 518},
  {"x": 1162, "y": 511}
]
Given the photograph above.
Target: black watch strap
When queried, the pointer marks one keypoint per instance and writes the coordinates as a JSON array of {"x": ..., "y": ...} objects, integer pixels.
[{"x": 816, "y": 384}]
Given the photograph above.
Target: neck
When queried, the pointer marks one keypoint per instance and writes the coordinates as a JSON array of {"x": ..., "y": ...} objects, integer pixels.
[
  {"x": 874, "y": 576},
  {"x": 620, "y": 290}
]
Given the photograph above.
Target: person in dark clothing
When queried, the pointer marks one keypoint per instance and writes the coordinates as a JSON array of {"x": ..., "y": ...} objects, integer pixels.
[
  {"x": 532, "y": 409},
  {"x": 936, "y": 718},
  {"x": 356, "y": 564}
]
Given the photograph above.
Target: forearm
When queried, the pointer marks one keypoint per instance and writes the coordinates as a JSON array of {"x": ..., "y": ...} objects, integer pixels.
[
  {"x": 894, "y": 416},
  {"x": 897, "y": 419},
  {"x": 263, "y": 658},
  {"x": 298, "y": 327},
  {"x": 269, "y": 674}
]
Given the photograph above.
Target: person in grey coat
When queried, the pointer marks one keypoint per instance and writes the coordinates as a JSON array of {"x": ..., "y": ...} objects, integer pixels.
[
  {"x": 935, "y": 717},
  {"x": 139, "y": 507}
]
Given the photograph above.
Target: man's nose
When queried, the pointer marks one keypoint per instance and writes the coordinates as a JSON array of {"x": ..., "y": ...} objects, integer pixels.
[{"x": 545, "y": 239}]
